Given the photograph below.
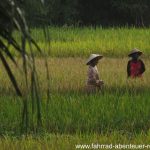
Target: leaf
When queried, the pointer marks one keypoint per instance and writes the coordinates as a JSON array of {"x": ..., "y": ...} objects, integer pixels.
[
  {"x": 10, "y": 74},
  {"x": 5, "y": 49}
]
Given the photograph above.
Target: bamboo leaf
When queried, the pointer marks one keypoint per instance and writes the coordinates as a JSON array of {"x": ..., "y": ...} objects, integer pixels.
[
  {"x": 5, "y": 49},
  {"x": 10, "y": 74}
]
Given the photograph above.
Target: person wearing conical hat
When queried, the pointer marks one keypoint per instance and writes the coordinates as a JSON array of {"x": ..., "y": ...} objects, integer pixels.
[
  {"x": 135, "y": 66},
  {"x": 93, "y": 82}
]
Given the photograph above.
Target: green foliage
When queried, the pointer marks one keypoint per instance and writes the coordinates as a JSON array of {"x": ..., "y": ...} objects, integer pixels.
[
  {"x": 119, "y": 107},
  {"x": 71, "y": 142},
  {"x": 73, "y": 113},
  {"x": 95, "y": 12},
  {"x": 75, "y": 42},
  {"x": 11, "y": 18},
  {"x": 136, "y": 9}
]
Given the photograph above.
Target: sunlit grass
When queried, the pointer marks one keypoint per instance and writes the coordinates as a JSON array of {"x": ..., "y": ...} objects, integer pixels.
[
  {"x": 118, "y": 107},
  {"x": 70, "y": 142},
  {"x": 120, "y": 113},
  {"x": 116, "y": 42},
  {"x": 70, "y": 74}
]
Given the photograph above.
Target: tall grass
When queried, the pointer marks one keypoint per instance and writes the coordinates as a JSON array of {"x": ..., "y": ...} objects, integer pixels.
[
  {"x": 70, "y": 74},
  {"x": 123, "y": 105},
  {"x": 116, "y": 42},
  {"x": 72, "y": 114},
  {"x": 69, "y": 142}
]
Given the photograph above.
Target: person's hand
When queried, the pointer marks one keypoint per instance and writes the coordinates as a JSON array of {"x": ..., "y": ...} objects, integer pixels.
[{"x": 100, "y": 82}]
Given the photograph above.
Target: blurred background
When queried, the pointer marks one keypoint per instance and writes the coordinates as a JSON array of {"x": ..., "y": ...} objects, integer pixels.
[{"x": 88, "y": 12}]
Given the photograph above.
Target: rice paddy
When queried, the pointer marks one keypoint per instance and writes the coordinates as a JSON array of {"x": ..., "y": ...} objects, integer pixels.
[
  {"x": 119, "y": 114},
  {"x": 76, "y": 42}
]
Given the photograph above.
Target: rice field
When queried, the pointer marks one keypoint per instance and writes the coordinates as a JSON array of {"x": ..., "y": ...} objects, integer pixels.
[
  {"x": 69, "y": 142},
  {"x": 77, "y": 42},
  {"x": 118, "y": 114}
]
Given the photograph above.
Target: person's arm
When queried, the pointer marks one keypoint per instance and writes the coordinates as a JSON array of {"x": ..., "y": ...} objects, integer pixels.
[
  {"x": 142, "y": 67},
  {"x": 128, "y": 69},
  {"x": 99, "y": 82}
]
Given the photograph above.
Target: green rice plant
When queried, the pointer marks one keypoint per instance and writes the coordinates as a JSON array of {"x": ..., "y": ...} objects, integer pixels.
[
  {"x": 71, "y": 142},
  {"x": 119, "y": 107},
  {"x": 11, "y": 18},
  {"x": 75, "y": 42},
  {"x": 75, "y": 113}
]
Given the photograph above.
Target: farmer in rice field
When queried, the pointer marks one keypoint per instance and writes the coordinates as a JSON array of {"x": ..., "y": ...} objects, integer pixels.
[
  {"x": 93, "y": 82},
  {"x": 135, "y": 67}
]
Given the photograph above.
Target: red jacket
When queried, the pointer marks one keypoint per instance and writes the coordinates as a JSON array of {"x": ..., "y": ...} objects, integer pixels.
[{"x": 135, "y": 68}]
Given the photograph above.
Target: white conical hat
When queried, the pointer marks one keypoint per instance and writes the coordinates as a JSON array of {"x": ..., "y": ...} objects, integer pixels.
[
  {"x": 92, "y": 57},
  {"x": 135, "y": 50}
]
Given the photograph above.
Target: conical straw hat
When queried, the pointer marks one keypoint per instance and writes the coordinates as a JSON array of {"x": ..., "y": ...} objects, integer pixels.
[
  {"x": 92, "y": 57},
  {"x": 135, "y": 51}
]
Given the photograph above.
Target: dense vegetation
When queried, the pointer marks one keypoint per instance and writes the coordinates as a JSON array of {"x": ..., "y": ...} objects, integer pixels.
[
  {"x": 119, "y": 107},
  {"x": 88, "y": 12},
  {"x": 119, "y": 114},
  {"x": 65, "y": 115},
  {"x": 80, "y": 42}
]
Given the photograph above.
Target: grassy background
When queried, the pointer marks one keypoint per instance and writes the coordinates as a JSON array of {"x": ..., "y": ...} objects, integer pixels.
[
  {"x": 69, "y": 142},
  {"x": 70, "y": 75},
  {"x": 74, "y": 114},
  {"x": 120, "y": 113},
  {"x": 76, "y": 42},
  {"x": 123, "y": 105}
]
